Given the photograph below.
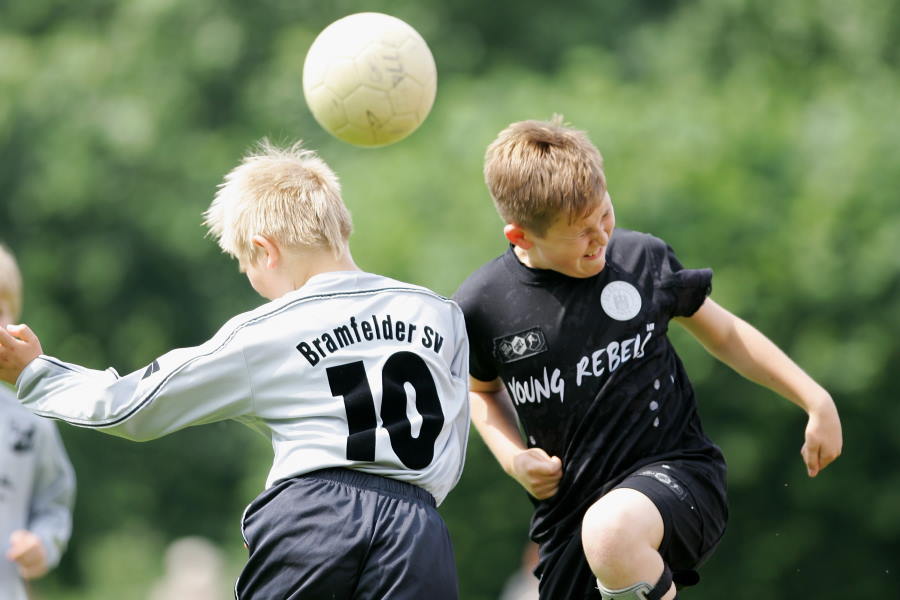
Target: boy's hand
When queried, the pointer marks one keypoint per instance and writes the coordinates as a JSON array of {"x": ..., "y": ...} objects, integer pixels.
[
  {"x": 537, "y": 472},
  {"x": 27, "y": 551},
  {"x": 18, "y": 347},
  {"x": 824, "y": 439}
]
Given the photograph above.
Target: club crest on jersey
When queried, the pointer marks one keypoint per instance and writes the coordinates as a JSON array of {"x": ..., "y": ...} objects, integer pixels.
[
  {"x": 620, "y": 300},
  {"x": 520, "y": 345}
]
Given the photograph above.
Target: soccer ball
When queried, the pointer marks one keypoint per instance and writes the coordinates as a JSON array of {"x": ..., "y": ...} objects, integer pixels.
[{"x": 369, "y": 79}]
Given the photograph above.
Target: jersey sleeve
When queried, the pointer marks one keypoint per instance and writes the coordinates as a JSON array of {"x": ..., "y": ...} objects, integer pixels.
[
  {"x": 481, "y": 364},
  {"x": 188, "y": 386},
  {"x": 53, "y": 494},
  {"x": 685, "y": 289},
  {"x": 459, "y": 364}
]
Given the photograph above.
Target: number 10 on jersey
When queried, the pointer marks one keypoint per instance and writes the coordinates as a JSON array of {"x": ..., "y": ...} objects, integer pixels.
[{"x": 351, "y": 382}]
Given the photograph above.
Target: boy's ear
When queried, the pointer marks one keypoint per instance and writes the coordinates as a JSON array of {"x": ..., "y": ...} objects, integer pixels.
[
  {"x": 517, "y": 236},
  {"x": 271, "y": 253}
]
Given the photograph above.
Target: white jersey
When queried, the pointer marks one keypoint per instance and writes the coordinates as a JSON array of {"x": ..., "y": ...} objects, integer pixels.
[
  {"x": 352, "y": 370},
  {"x": 37, "y": 487}
]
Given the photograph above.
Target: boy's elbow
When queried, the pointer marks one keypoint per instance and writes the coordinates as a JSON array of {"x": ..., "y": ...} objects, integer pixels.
[{"x": 720, "y": 345}]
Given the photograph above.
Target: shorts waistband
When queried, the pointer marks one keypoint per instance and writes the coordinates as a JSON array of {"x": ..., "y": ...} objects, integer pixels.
[{"x": 378, "y": 483}]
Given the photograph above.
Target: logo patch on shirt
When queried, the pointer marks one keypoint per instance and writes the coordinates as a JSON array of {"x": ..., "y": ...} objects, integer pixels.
[
  {"x": 620, "y": 300},
  {"x": 520, "y": 345}
]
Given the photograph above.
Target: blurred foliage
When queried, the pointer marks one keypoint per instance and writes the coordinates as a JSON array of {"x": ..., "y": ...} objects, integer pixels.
[{"x": 758, "y": 138}]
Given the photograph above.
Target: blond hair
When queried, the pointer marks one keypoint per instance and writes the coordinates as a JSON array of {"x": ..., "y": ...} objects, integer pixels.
[
  {"x": 10, "y": 282},
  {"x": 537, "y": 171},
  {"x": 288, "y": 194}
]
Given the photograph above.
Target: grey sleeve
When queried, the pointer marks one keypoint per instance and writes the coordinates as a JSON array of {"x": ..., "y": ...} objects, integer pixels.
[
  {"x": 459, "y": 366},
  {"x": 189, "y": 386},
  {"x": 53, "y": 495}
]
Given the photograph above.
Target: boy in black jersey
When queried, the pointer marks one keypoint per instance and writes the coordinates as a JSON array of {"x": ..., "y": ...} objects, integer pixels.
[{"x": 568, "y": 328}]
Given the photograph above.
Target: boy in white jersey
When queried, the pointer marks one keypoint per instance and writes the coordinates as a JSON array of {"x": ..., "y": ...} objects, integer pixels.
[
  {"x": 359, "y": 380},
  {"x": 38, "y": 489}
]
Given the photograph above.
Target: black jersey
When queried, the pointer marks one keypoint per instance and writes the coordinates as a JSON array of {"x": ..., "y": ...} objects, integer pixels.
[{"x": 589, "y": 368}]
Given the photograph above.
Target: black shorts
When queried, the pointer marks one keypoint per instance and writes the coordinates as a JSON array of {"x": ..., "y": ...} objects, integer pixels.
[
  {"x": 694, "y": 513},
  {"x": 339, "y": 534}
]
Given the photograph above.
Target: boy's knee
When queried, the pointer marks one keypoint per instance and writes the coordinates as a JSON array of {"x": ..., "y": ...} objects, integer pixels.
[
  {"x": 620, "y": 529},
  {"x": 606, "y": 540}
]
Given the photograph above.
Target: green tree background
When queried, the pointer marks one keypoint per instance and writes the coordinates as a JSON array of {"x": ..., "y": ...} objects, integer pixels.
[{"x": 759, "y": 138}]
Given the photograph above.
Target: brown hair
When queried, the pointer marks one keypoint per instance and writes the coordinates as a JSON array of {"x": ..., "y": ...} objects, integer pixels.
[
  {"x": 537, "y": 171},
  {"x": 10, "y": 282}
]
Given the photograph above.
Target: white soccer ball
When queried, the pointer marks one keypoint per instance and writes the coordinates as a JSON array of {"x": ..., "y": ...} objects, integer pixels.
[{"x": 369, "y": 79}]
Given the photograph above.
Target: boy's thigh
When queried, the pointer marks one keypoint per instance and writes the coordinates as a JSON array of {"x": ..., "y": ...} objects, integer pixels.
[
  {"x": 694, "y": 515},
  {"x": 323, "y": 537},
  {"x": 693, "y": 510}
]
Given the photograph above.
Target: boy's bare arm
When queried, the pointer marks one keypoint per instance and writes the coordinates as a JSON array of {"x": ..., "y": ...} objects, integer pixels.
[
  {"x": 495, "y": 420},
  {"x": 746, "y": 350}
]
